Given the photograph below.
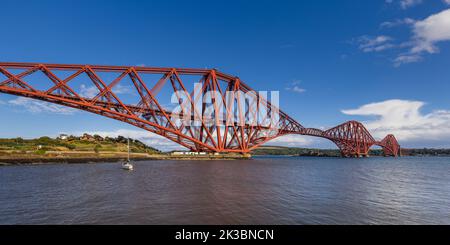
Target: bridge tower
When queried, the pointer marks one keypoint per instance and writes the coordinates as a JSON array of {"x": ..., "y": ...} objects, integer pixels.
[
  {"x": 390, "y": 146},
  {"x": 352, "y": 138}
]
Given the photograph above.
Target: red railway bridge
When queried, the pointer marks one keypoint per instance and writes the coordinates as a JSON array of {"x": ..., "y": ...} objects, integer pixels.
[{"x": 229, "y": 121}]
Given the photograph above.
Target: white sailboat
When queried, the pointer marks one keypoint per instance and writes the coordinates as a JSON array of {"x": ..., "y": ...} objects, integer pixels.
[{"x": 127, "y": 164}]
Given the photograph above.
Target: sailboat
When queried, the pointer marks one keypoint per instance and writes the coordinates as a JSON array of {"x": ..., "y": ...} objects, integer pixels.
[{"x": 127, "y": 164}]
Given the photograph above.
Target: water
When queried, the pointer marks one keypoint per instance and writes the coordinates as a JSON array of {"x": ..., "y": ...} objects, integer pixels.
[{"x": 261, "y": 191}]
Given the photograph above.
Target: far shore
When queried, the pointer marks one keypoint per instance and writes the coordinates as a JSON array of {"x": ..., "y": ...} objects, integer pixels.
[{"x": 68, "y": 149}]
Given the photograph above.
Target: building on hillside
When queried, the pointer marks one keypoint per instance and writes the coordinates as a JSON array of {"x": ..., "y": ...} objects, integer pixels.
[
  {"x": 87, "y": 137},
  {"x": 63, "y": 136},
  {"x": 98, "y": 137}
]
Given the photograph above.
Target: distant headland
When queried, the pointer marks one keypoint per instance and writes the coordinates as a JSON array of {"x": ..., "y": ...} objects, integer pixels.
[{"x": 294, "y": 151}]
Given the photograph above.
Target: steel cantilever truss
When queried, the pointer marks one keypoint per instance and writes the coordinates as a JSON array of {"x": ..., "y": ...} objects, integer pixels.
[
  {"x": 226, "y": 123},
  {"x": 353, "y": 139}
]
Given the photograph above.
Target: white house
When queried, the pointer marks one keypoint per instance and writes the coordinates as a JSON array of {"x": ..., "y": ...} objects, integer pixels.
[{"x": 63, "y": 136}]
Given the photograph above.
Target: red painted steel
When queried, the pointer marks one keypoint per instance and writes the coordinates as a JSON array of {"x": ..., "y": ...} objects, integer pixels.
[
  {"x": 228, "y": 130},
  {"x": 390, "y": 146}
]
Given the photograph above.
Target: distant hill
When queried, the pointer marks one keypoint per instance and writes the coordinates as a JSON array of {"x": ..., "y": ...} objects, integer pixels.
[{"x": 294, "y": 151}]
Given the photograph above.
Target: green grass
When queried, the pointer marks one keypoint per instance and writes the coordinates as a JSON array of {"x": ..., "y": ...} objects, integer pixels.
[{"x": 44, "y": 144}]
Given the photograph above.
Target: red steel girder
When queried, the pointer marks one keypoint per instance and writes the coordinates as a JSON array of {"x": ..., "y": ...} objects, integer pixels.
[
  {"x": 390, "y": 146},
  {"x": 230, "y": 130}
]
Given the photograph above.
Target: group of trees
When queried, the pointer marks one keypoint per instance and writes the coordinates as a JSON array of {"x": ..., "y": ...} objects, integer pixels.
[
  {"x": 291, "y": 151},
  {"x": 426, "y": 152}
]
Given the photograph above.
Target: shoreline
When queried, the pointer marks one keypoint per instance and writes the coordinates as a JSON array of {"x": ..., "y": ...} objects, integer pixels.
[
  {"x": 48, "y": 160},
  {"x": 45, "y": 160}
]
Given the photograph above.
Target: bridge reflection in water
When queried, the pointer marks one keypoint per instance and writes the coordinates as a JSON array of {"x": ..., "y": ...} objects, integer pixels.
[{"x": 235, "y": 118}]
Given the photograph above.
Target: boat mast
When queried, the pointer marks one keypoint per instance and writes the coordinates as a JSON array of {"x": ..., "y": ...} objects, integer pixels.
[{"x": 128, "y": 149}]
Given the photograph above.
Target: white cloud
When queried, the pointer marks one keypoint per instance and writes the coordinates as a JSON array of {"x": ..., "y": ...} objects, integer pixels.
[
  {"x": 407, "y": 58},
  {"x": 374, "y": 44},
  {"x": 447, "y": 2},
  {"x": 397, "y": 22},
  {"x": 404, "y": 119},
  {"x": 404, "y": 4},
  {"x": 428, "y": 32},
  {"x": 148, "y": 138},
  {"x": 122, "y": 89},
  {"x": 88, "y": 92},
  {"x": 36, "y": 106},
  {"x": 297, "y": 89},
  {"x": 292, "y": 141},
  {"x": 92, "y": 91},
  {"x": 294, "y": 87}
]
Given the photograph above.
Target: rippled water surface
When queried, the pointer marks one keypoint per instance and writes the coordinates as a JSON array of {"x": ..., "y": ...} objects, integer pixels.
[{"x": 281, "y": 190}]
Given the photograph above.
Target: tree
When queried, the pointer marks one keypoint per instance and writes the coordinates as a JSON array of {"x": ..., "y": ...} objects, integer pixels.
[
  {"x": 121, "y": 139},
  {"x": 98, "y": 137},
  {"x": 97, "y": 148},
  {"x": 19, "y": 140}
]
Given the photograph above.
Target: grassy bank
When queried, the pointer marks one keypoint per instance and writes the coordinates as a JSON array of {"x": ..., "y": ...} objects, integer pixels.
[
  {"x": 86, "y": 149},
  {"x": 81, "y": 144},
  {"x": 70, "y": 149}
]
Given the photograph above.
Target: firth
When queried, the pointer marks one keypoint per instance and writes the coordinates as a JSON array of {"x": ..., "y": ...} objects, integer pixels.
[{"x": 194, "y": 235}]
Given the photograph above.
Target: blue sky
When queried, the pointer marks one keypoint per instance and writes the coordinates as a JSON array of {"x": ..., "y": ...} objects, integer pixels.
[{"x": 384, "y": 62}]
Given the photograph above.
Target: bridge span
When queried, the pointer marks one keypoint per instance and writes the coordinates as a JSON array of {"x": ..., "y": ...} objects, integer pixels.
[{"x": 221, "y": 113}]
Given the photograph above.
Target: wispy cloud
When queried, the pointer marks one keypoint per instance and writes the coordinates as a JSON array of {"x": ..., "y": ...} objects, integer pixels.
[
  {"x": 406, "y": 59},
  {"x": 92, "y": 91},
  {"x": 374, "y": 44},
  {"x": 294, "y": 86},
  {"x": 88, "y": 92},
  {"x": 425, "y": 35},
  {"x": 405, "y": 119},
  {"x": 36, "y": 106},
  {"x": 405, "y": 4},
  {"x": 123, "y": 89},
  {"x": 397, "y": 22},
  {"x": 292, "y": 141}
]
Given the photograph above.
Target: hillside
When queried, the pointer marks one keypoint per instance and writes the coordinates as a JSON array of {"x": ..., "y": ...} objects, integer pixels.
[{"x": 83, "y": 144}]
